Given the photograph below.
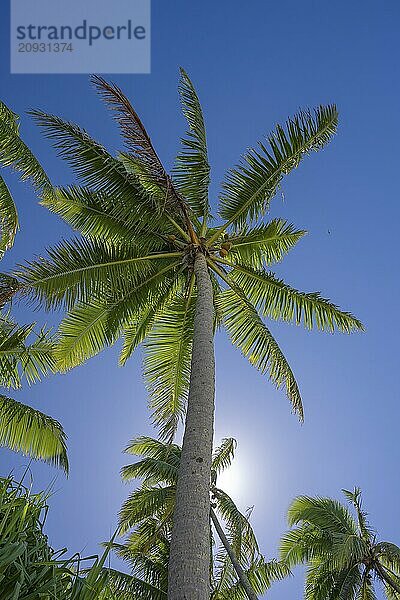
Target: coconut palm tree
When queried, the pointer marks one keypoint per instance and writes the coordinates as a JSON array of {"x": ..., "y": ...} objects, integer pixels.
[
  {"x": 152, "y": 265},
  {"x": 239, "y": 570},
  {"x": 22, "y": 428},
  {"x": 343, "y": 555}
]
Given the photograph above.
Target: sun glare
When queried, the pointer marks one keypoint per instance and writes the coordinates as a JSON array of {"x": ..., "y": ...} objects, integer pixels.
[{"x": 234, "y": 480}]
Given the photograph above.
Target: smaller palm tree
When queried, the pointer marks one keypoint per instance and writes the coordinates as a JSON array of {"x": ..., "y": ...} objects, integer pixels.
[
  {"x": 344, "y": 558},
  {"x": 239, "y": 569}
]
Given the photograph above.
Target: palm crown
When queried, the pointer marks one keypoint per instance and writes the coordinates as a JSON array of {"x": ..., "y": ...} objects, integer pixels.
[
  {"x": 130, "y": 272},
  {"x": 341, "y": 550}
]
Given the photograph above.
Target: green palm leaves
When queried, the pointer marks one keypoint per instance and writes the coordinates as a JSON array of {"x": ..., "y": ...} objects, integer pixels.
[
  {"x": 130, "y": 273},
  {"x": 14, "y": 153},
  {"x": 249, "y": 188},
  {"x": 192, "y": 171},
  {"x": 23, "y": 428},
  {"x": 8, "y": 210},
  {"x": 341, "y": 551}
]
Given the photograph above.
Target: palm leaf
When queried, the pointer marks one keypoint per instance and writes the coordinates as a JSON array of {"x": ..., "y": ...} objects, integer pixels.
[
  {"x": 9, "y": 223},
  {"x": 248, "y": 333},
  {"x": 10, "y": 118},
  {"x": 94, "y": 325},
  {"x": 264, "y": 244},
  {"x": 277, "y": 300},
  {"x": 96, "y": 214},
  {"x": 224, "y": 455},
  {"x": 143, "y": 160},
  {"x": 140, "y": 327},
  {"x": 303, "y": 544},
  {"x": 19, "y": 359},
  {"x": 93, "y": 165},
  {"x": 324, "y": 513},
  {"x": 192, "y": 171},
  {"x": 249, "y": 188},
  {"x": 133, "y": 131},
  {"x": 128, "y": 587},
  {"x": 160, "y": 462},
  {"x": 15, "y": 153},
  {"x": 31, "y": 432},
  {"x": 167, "y": 359},
  {"x": 77, "y": 269},
  {"x": 146, "y": 502}
]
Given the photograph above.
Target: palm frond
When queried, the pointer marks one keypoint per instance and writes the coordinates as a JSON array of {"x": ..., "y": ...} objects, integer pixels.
[
  {"x": 261, "y": 575},
  {"x": 389, "y": 551},
  {"x": 146, "y": 502},
  {"x": 248, "y": 333},
  {"x": 84, "y": 332},
  {"x": 144, "y": 162},
  {"x": 325, "y": 513},
  {"x": 355, "y": 498},
  {"x": 324, "y": 584},
  {"x": 264, "y": 244},
  {"x": 128, "y": 587},
  {"x": 93, "y": 165},
  {"x": 15, "y": 153},
  {"x": 192, "y": 171},
  {"x": 10, "y": 118},
  {"x": 152, "y": 471},
  {"x": 105, "y": 217},
  {"x": 92, "y": 326},
  {"x": 9, "y": 223},
  {"x": 152, "y": 448},
  {"x": 224, "y": 455},
  {"x": 139, "y": 329},
  {"x": 160, "y": 462},
  {"x": 249, "y": 188},
  {"x": 277, "y": 300},
  {"x": 77, "y": 269},
  {"x": 24, "y": 429},
  {"x": 20, "y": 359},
  {"x": 133, "y": 131},
  {"x": 240, "y": 533},
  {"x": 303, "y": 544},
  {"x": 167, "y": 359}
]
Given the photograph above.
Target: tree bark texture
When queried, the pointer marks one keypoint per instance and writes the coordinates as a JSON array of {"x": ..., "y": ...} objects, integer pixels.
[{"x": 189, "y": 563}]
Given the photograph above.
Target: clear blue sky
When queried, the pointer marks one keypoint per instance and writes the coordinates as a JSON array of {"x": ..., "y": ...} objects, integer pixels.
[{"x": 253, "y": 65}]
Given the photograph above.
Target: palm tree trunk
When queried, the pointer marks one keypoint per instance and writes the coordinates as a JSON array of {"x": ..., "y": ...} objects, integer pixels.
[
  {"x": 189, "y": 563},
  {"x": 388, "y": 580},
  {"x": 242, "y": 576}
]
